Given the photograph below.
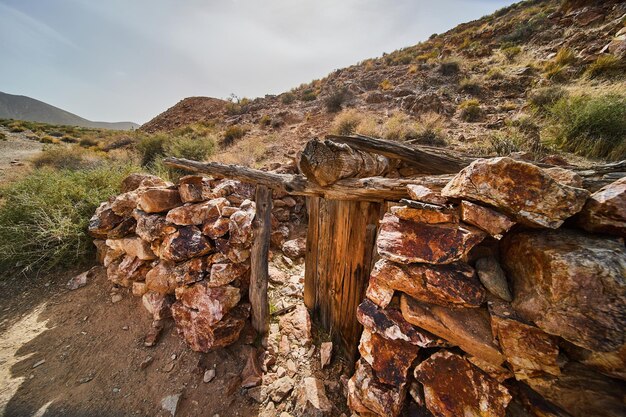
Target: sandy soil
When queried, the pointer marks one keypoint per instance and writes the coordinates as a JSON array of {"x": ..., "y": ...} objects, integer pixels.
[
  {"x": 93, "y": 350},
  {"x": 15, "y": 152}
]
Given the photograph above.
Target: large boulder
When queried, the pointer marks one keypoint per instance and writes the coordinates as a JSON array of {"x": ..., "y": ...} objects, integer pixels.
[
  {"x": 405, "y": 241},
  {"x": 448, "y": 285},
  {"x": 570, "y": 285},
  {"x": 453, "y": 387},
  {"x": 522, "y": 190},
  {"x": 605, "y": 211},
  {"x": 468, "y": 328},
  {"x": 124, "y": 204}
]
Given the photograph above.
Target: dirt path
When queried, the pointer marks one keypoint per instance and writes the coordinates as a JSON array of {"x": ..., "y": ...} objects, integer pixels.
[
  {"x": 75, "y": 353},
  {"x": 15, "y": 152}
]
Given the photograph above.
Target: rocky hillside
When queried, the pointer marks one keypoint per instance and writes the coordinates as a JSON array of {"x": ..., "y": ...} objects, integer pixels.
[{"x": 484, "y": 87}]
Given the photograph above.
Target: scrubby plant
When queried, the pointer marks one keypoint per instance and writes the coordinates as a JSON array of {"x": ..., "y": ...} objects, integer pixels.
[
  {"x": 450, "y": 66},
  {"x": 346, "y": 122},
  {"x": 556, "y": 69},
  {"x": 48, "y": 139},
  {"x": 412, "y": 69},
  {"x": 232, "y": 133},
  {"x": 199, "y": 149},
  {"x": 151, "y": 147},
  {"x": 429, "y": 130},
  {"x": 369, "y": 126},
  {"x": 68, "y": 139},
  {"x": 511, "y": 51},
  {"x": 542, "y": 98},
  {"x": 606, "y": 66},
  {"x": 88, "y": 142},
  {"x": 265, "y": 120},
  {"x": 16, "y": 128},
  {"x": 470, "y": 85},
  {"x": 44, "y": 216},
  {"x": 385, "y": 85},
  {"x": 590, "y": 125},
  {"x": 335, "y": 101},
  {"x": 308, "y": 95},
  {"x": 65, "y": 157},
  {"x": 237, "y": 105},
  {"x": 470, "y": 110},
  {"x": 495, "y": 73},
  {"x": 3, "y": 136},
  {"x": 287, "y": 98}
]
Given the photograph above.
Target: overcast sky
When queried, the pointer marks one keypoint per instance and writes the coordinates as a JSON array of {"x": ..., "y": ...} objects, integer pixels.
[{"x": 114, "y": 60}]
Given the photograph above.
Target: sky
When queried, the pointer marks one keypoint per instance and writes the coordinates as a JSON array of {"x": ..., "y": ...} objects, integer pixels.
[{"x": 129, "y": 60}]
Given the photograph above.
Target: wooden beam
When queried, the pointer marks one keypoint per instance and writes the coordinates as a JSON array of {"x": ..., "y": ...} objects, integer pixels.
[
  {"x": 373, "y": 189},
  {"x": 326, "y": 162},
  {"x": 428, "y": 159},
  {"x": 259, "y": 260}
]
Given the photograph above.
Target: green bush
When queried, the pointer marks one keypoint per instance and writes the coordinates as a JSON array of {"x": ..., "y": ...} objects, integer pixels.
[
  {"x": 88, "y": 142},
  {"x": 233, "y": 133},
  {"x": 151, "y": 147},
  {"x": 199, "y": 149},
  {"x": 44, "y": 216},
  {"x": 470, "y": 110},
  {"x": 510, "y": 52},
  {"x": 335, "y": 101},
  {"x": 65, "y": 157},
  {"x": 449, "y": 67},
  {"x": 593, "y": 126},
  {"x": 543, "y": 98},
  {"x": 287, "y": 98},
  {"x": 308, "y": 95}
]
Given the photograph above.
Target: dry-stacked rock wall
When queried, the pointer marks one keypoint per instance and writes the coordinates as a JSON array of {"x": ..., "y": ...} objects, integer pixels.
[
  {"x": 185, "y": 249},
  {"x": 504, "y": 294}
]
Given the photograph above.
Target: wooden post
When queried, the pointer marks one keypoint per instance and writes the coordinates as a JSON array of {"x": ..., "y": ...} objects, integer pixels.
[
  {"x": 259, "y": 259},
  {"x": 340, "y": 243}
]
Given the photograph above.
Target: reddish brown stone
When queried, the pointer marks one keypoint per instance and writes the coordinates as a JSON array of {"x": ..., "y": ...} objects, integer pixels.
[
  {"x": 605, "y": 211},
  {"x": 240, "y": 225},
  {"x": 162, "y": 278},
  {"x": 529, "y": 350},
  {"x": 132, "y": 246},
  {"x": 125, "y": 228},
  {"x": 213, "y": 303},
  {"x": 611, "y": 363},
  {"x": 124, "y": 204},
  {"x": 225, "y": 273},
  {"x": 216, "y": 228},
  {"x": 368, "y": 395},
  {"x": 234, "y": 253},
  {"x": 127, "y": 269},
  {"x": 582, "y": 392},
  {"x": 390, "y": 324},
  {"x": 493, "y": 278},
  {"x": 151, "y": 227},
  {"x": 447, "y": 285},
  {"x": 425, "y": 195},
  {"x": 157, "y": 304},
  {"x": 570, "y": 285},
  {"x": 139, "y": 288},
  {"x": 194, "y": 188},
  {"x": 518, "y": 188},
  {"x": 229, "y": 211},
  {"x": 492, "y": 222},
  {"x": 279, "y": 236},
  {"x": 295, "y": 248},
  {"x": 203, "y": 334},
  {"x": 427, "y": 213},
  {"x": 184, "y": 244},
  {"x": 196, "y": 214},
  {"x": 252, "y": 374},
  {"x": 190, "y": 271},
  {"x": 157, "y": 200},
  {"x": 497, "y": 372},
  {"x": 565, "y": 176},
  {"x": 103, "y": 220},
  {"x": 390, "y": 359},
  {"x": 468, "y": 328},
  {"x": 297, "y": 324},
  {"x": 101, "y": 250},
  {"x": 138, "y": 180},
  {"x": 453, "y": 387},
  {"x": 408, "y": 242}
]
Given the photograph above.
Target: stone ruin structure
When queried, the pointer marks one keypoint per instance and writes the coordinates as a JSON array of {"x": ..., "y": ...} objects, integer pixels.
[
  {"x": 185, "y": 250},
  {"x": 499, "y": 290},
  {"x": 502, "y": 295}
]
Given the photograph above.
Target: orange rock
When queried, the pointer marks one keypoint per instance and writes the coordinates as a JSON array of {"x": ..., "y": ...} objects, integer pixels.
[
  {"x": 194, "y": 188},
  {"x": 605, "y": 211},
  {"x": 213, "y": 303},
  {"x": 162, "y": 278},
  {"x": 390, "y": 359},
  {"x": 225, "y": 273},
  {"x": 216, "y": 228},
  {"x": 196, "y": 214},
  {"x": 453, "y": 387},
  {"x": 366, "y": 394},
  {"x": 103, "y": 220},
  {"x": 138, "y": 180},
  {"x": 184, "y": 244},
  {"x": 425, "y": 195},
  {"x": 522, "y": 190},
  {"x": 492, "y": 222},
  {"x": 157, "y": 200},
  {"x": 428, "y": 214},
  {"x": 132, "y": 246}
]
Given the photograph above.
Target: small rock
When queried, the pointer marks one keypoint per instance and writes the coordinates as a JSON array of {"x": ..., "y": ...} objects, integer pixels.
[
  {"x": 492, "y": 277},
  {"x": 209, "y": 374},
  {"x": 168, "y": 367},
  {"x": 115, "y": 298},
  {"x": 125, "y": 328},
  {"x": 294, "y": 248},
  {"x": 78, "y": 281},
  {"x": 170, "y": 403},
  {"x": 281, "y": 372},
  {"x": 312, "y": 398},
  {"x": 291, "y": 367},
  {"x": 326, "y": 350},
  {"x": 281, "y": 388},
  {"x": 146, "y": 362},
  {"x": 39, "y": 363},
  {"x": 258, "y": 394}
]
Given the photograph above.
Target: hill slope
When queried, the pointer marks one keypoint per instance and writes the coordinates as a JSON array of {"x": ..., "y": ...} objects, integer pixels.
[
  {"x": 475, "y": 86},
  {"x": 26, "y": 108}
]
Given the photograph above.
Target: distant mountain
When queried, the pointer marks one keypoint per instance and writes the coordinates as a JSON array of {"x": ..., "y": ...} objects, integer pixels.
[{"x": 26, "y": 108}]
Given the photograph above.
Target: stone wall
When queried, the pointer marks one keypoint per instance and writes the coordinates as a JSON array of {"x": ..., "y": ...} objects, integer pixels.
[
  {"x": 503, "y": 295},
  {"x": 185, "y": 249}
]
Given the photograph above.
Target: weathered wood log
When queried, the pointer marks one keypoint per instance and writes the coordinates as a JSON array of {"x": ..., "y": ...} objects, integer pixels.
[
  {"x": 429, "y": 159},
  {"x": 259, "y": 259},
  {"x": 326, "y": 162},
  {"x": 375, "y": 189}
]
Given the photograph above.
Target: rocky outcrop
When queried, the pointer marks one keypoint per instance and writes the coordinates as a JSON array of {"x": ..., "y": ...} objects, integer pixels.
[{"x": 522, "y": 190}]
